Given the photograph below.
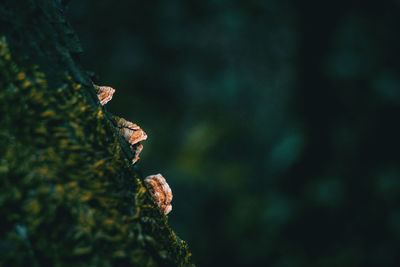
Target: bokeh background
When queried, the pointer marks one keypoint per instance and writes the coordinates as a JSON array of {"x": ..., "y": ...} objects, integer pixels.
[{"x": 274, "y": 122}]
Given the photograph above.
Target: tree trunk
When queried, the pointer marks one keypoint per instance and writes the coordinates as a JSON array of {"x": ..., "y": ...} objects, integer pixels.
[{"x": 68, "y": 191}]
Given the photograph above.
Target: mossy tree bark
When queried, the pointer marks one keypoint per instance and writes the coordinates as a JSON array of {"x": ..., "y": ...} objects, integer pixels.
[{"x": 68, "y": 193}]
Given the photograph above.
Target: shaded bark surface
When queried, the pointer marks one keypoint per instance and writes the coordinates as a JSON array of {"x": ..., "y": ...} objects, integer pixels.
[{"x": 68, "y": 193}]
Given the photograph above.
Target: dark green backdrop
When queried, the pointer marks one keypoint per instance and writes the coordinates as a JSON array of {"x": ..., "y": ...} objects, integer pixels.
[{"x": 274, "y": 122}]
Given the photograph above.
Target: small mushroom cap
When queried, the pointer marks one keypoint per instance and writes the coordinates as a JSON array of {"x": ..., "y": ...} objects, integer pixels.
[
  {"x": 136, "y": 149},
  {"x": 160, "y": 191},
  {"x": 104, "y": 93},
  {"x": 131, "y": 132}
]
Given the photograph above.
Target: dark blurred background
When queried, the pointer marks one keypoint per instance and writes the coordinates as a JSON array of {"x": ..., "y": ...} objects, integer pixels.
[{"x": 274, "y": 122}]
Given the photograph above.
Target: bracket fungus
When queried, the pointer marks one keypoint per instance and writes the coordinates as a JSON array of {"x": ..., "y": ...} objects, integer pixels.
[
  {"x": 160, "y": 191},
  {"x": 104, "y": 93},
  {"x": 130, "y": 131},
  {"x": 133, "y": 135}
]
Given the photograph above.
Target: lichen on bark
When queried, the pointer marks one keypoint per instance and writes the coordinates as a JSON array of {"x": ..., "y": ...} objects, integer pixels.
[{"x": 68, "y": 193}]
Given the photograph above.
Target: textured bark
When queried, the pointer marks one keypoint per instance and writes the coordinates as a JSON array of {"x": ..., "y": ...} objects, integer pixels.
[{"x": 68, "y": 192}]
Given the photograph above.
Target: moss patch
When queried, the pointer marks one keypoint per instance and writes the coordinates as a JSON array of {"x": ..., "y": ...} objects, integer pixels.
[{"x": 68, "y": 195}]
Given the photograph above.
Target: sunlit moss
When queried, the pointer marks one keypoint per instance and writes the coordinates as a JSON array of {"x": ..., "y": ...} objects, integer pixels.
[{"x": 64, "y": 180}]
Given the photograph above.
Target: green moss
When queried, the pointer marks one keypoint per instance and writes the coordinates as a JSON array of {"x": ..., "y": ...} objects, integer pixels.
[{"x": 68, "y": 194}]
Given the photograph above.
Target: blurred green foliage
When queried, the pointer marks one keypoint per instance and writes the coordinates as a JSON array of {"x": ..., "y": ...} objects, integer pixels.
[{"x": 274, "y": 122}]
